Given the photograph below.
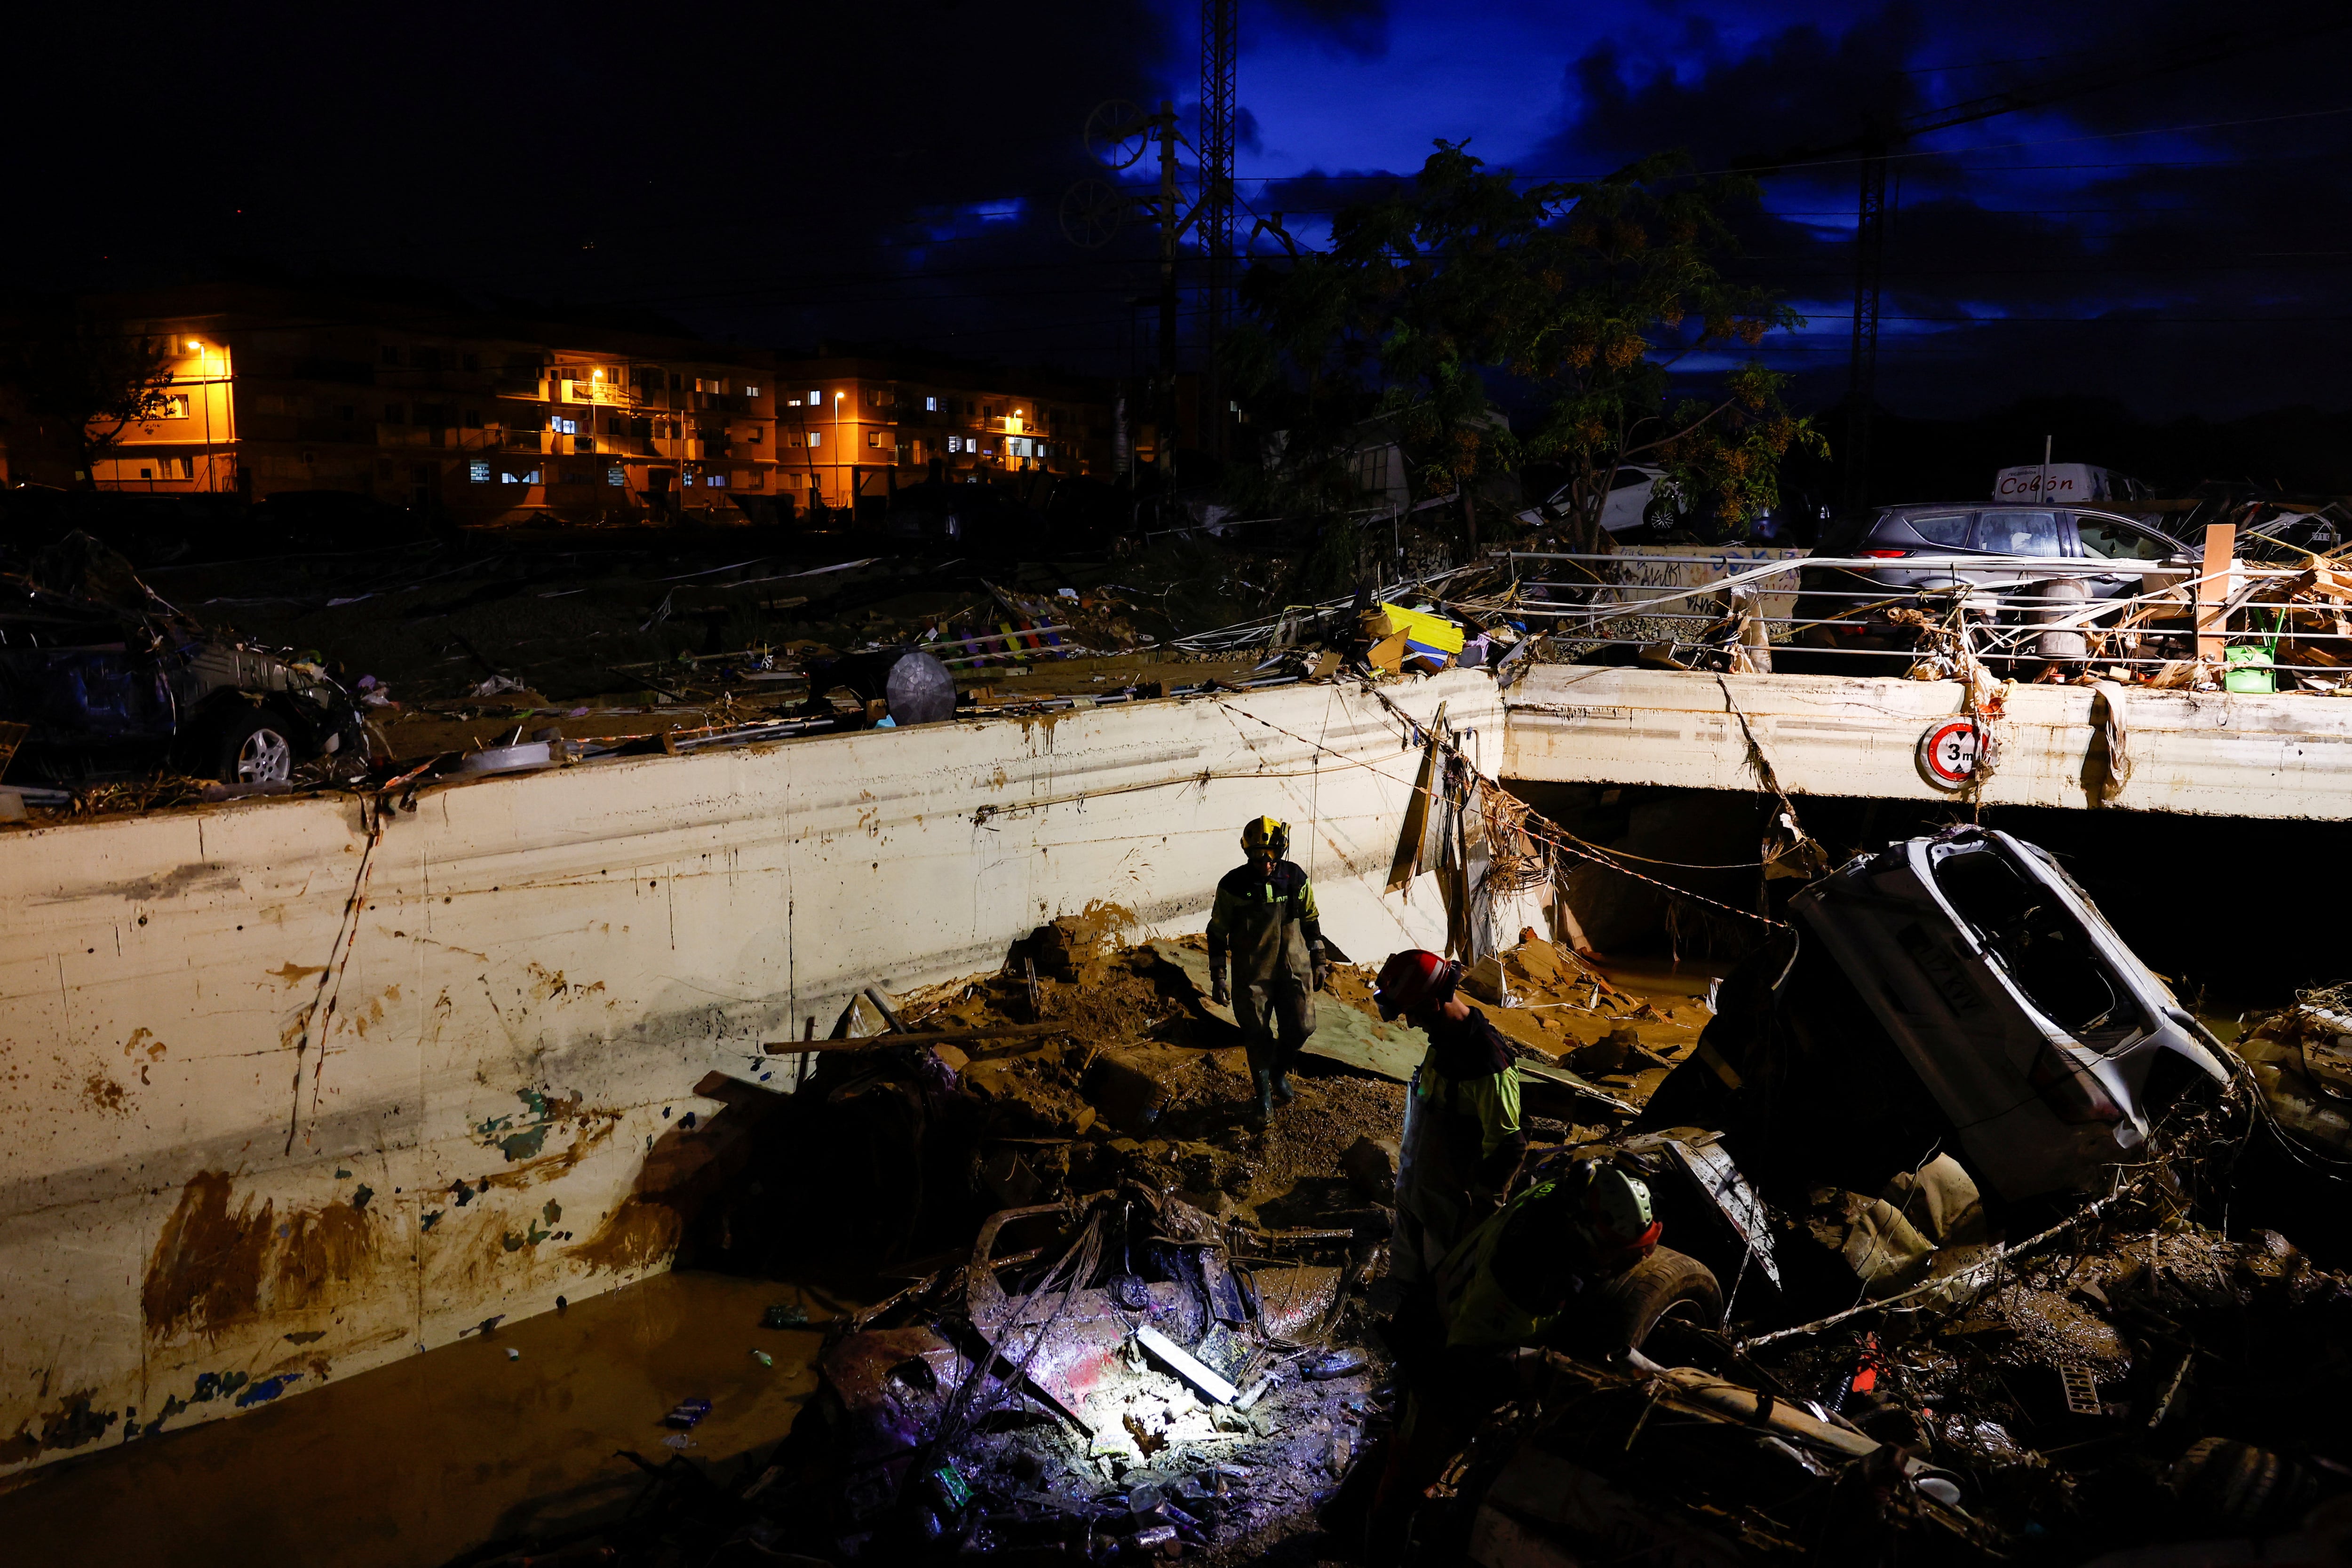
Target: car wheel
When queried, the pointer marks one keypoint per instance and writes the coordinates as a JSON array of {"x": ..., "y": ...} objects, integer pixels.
[
  {"x": 254, "y": 749},
  {"x": 1667, "y": 1284}
]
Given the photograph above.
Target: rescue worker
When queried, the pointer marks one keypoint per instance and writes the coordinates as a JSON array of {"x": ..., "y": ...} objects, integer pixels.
[
  {"x": 1528, "y": 1275},
  {"x": 1264, "y": 921},
  {"x": 1463, "y": 1143}
]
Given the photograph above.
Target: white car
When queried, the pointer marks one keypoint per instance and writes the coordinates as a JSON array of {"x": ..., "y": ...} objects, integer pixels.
[
  {"x": 1631, "y": 490},
  {"x": 2046, "y": 1044}
]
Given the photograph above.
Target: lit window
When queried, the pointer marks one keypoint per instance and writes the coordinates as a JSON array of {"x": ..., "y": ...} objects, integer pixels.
[
  {"x": 791, "y": 402},
  {"x": 815, "y": 398},
  {"x": 955, "y": 443},
  {"x": 816, "y": 438},
  {"x": 478, "y": 471},
  {"x": 750, "y": 391},
  {"x": 526, "y": 476},
  {"x": 930, "y": 405},
  {"x": 616, "y": 475},
  {"x": 718, "y": 480},
  {"x": 562, "y": 425}
]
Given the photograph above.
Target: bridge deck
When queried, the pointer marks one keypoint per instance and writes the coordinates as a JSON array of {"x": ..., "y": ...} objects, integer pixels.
[{"x": 2287, "y": 756}]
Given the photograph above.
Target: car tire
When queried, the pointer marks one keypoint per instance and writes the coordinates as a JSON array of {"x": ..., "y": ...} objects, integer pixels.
[
  {"x": 253, "y": 747},
  {"x": 1666, "y": 1282}
]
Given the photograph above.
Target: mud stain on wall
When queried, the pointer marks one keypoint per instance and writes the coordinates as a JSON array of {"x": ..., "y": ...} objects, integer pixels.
[
  {"x": 216, "y": 1267},
  {"x": 643, "y": 1231},
  {"x": 103, "y": 1094}
]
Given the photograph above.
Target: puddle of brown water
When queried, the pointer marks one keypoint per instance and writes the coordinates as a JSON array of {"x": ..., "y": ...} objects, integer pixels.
[{"x": 414, "y": 1463}]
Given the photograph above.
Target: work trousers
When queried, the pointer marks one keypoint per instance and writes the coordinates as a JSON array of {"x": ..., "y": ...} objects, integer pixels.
[{"x": 1276, "y": 1016}]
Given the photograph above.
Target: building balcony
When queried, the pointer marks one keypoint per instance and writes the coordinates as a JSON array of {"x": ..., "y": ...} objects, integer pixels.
[{"x": 611, "y": 395}]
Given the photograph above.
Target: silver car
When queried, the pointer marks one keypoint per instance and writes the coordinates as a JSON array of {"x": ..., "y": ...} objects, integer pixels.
[
  {"x": 2046, "y": 1042},
  {"x": 1927, "y": 548}
]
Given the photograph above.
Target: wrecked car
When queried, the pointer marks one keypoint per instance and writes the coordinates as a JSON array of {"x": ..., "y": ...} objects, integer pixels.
[
  {"x": 110, "y": 692},
  {"x": 2045, "y": 1039},
  {"x": 1959, "y": 989}
]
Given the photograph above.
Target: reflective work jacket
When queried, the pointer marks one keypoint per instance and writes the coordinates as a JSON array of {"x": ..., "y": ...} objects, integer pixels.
[
  {"x": 1469, "y": 1081},
  {"x": 1489, "y": 1285},
  {"x": 1268, "y": 925}
]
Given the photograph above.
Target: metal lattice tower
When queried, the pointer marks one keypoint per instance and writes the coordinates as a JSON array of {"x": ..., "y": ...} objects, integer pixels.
[{"x": 1218, "y": 30}]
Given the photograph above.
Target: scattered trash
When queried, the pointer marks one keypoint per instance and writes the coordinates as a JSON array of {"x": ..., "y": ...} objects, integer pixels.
[
  {"x": 784, "y": 1316},
  {"x": 763, "y": 1358},
  {"x": 686, "y": 1413},
  {"x": 1337, "y": 1363}
]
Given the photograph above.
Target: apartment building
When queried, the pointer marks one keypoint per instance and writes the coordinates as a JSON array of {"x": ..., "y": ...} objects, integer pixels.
[
  {"x": 853, "y": 427},
  {"x": 482, "y": 420}
]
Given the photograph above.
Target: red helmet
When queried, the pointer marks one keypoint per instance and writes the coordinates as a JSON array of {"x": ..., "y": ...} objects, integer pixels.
[{"x": 1413, "y": 979}]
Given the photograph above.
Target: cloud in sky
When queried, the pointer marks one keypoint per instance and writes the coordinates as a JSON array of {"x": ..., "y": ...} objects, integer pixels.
[{"x": 786, "y": 174}]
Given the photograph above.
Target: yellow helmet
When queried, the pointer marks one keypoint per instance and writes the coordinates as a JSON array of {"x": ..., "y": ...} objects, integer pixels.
[{"x": 1265, "y": 836}]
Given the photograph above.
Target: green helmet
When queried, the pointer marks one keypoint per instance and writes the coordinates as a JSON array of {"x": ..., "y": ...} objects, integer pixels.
[{"x": 1613, "y": 1209}]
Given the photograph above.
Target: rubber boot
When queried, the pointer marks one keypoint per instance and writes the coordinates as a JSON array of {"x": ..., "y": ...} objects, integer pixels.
[
  {"x": 1262, "y": 1112},
  {"x": 1283, "y": 1092}
]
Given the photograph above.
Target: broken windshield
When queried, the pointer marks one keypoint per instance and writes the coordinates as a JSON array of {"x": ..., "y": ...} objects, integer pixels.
[{"x": 2044, "y": 948}]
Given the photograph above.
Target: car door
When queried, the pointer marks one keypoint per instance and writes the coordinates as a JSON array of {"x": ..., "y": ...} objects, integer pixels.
[
  {"x": 2133, "y": 547},
  {"x": 2015, "y": 531},
  {"x": 1630, "y": 492}
]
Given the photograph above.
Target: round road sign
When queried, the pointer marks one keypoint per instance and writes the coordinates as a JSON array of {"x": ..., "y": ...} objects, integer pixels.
[{"x": 1949, "y": 750}]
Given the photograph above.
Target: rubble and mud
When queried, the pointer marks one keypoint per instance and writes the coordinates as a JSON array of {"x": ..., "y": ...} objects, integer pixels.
[{"x": 1129, "y": 1327}]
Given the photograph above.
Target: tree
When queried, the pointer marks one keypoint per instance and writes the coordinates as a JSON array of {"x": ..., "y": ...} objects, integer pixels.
[
  {"x": 1592, "y": 296},
  {"x": 84, "y": 380}
]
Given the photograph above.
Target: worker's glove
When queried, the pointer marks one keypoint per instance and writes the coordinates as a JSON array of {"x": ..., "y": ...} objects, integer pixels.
[
  {"x": 1316, "y": 975},
  {"x": 1218, "y": 990}
]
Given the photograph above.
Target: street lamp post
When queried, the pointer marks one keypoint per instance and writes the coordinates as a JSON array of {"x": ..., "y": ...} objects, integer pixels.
[{"x": 836, "y": 450}]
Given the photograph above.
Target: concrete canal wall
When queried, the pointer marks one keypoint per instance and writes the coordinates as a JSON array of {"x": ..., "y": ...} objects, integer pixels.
[
  {"x": 293, "y": 1088},
  {"x": 2211, "y": 754}
]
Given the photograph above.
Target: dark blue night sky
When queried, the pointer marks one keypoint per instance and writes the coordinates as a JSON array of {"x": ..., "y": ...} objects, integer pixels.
[{"x": 792, "y": 173}]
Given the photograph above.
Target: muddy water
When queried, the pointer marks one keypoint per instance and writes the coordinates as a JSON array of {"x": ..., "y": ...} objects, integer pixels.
[{"x": 416, "y": 1462}]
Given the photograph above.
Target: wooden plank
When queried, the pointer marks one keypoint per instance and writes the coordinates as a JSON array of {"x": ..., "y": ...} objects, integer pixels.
[{"x": 2213, "y": 589}]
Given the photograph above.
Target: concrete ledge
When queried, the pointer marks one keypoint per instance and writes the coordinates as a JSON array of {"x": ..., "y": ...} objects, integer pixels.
[
  {"x": 284, "y": 1098},
  {"x": 2287, "y": 756}
]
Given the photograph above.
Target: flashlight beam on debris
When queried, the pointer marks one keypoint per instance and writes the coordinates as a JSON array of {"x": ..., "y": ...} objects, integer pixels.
[{"x": 1183, "y": 1363}]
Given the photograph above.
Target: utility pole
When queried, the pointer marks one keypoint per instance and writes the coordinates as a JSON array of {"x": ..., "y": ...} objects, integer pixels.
[
  {"x": 1219, "y": 46},
  {"x": 1171, "y": 228},
  {"x": 1862, "y": 379}
]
